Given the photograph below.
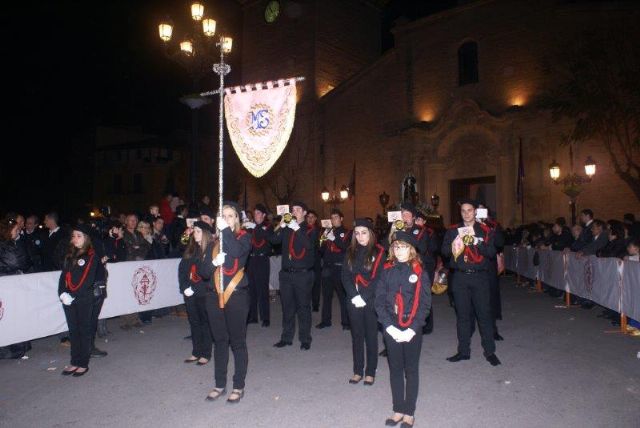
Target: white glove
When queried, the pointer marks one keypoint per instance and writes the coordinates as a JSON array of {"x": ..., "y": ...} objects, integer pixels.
[
  {"x": 221, "y": 223},
  {"x": 188, "y": 292},
  {"x": 331, "y": 236},
  {"x": 394, "y": 332},
  {"x": 477, "y": 240},
  {"x": 249, "y": 225},
  {"x": 358, "y": 302},
  {"x": 407, "y": 335},
  {"x": 66, "y": 299},
  {"x": 293, "y": 224},
  {"x": 219, "y": 260}
]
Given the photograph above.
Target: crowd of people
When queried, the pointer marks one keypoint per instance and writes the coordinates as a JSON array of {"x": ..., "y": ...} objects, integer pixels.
[
  {"x": 590, "y": 237},
  {"x": 382, "y": 278}
]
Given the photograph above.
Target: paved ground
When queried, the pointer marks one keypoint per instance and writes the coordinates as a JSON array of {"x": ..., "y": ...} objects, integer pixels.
[{"x": 559, "y": 368}]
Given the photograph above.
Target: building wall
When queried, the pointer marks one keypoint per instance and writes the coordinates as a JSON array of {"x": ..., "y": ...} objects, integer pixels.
[{"x": 406, "y": 112}]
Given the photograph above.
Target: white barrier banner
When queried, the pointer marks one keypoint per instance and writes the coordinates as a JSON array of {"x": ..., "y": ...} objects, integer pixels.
[
  {"x": 30, "y": 307},
  {"x": 631, "y": 290}
]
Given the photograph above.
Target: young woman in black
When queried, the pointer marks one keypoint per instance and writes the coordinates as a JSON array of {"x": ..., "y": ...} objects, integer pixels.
[
  {"x": 403, "y": 299},
  {"x": 228, "y": 306},
  {"x": 75, "y": 289},
  {"x": 194, "y": 275},
  {"x": 362, "y": 263}
]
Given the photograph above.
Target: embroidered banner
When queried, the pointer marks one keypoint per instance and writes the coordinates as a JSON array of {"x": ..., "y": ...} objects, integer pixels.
[{"x": 260, "y": 122}]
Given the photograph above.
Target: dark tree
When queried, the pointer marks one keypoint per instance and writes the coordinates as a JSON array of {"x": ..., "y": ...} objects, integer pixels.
[{"x": 599, "y": 91}]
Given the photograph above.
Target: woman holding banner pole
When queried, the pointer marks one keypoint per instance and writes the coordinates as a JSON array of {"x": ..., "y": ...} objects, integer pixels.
[
  {"x": 228, "y": 306},
  {"x": 194, "y": 273}
]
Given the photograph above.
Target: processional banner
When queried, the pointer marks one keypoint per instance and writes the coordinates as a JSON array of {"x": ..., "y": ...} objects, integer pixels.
[{"x": 260, "y": 119}]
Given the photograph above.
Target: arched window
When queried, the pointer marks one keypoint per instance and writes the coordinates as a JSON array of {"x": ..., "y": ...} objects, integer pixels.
[{"x": 468, "y": 63}]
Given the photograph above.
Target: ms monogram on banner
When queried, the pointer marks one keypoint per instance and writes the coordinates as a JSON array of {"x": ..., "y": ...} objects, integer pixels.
[{"x": 259, "y": 119}]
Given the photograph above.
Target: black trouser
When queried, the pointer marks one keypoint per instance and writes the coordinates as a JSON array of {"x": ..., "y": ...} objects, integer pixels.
[
  {"x": 317, "y": 282},
  {"x": 295, "y": 294},
  {"x": 78, "y": 316},
  {"x": 472, "y": 296},
  {"x": 199, "y": 323},
  {"x": 258, "y": 272},
  {"x": 494, "y": 285},
  {"x": 404, "y": 364},
  {"x": 430, "y": 266},
  {"x": 229, "y": 328},
  {"x": 364, "y": 332},
  {"x": 332, "y": 281},
  {"x": 95, "y": 313}
]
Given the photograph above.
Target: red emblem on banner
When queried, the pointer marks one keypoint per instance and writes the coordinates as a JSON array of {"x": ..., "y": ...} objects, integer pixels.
[
  {"x": 1, "y": 310},
  {"x": 144, "y": 284}
]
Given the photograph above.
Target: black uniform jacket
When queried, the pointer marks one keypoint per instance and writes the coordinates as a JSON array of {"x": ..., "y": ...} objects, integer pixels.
[
  {"x": 197, "y": 271},
  {"x": 403, "y": 296},
  {"x": 298, "y": 248},
  {"x": 237, "y": 248},
  {"x": 474, "y": 257},
  {"x": 78, "y": 276},
  {"x": 356, "y": 279},
  {"x": 333, "y": 251},
  {"x": 260, "y": 235}
]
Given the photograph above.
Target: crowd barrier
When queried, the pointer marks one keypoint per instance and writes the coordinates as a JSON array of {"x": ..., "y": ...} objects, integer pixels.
[
  {"x": 30, "y": 307},
  {"x": 609, "y": 282}
]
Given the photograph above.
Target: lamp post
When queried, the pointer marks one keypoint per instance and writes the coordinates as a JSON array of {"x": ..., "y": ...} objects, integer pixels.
[
  {"x": 572, "y": 184},
  {"x": 335, "y": 197},
  {"x": 435, "y": 202},
  {"x": 195, "y": 52}
]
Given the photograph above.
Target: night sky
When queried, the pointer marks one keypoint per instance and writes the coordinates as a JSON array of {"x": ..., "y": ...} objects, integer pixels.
[{"x": 74, "y": 65}]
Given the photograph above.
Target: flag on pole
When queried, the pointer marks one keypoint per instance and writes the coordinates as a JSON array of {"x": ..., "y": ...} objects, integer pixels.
[
  {"x": 520, "y": 185},
  {"x": 352, "y": 181}
]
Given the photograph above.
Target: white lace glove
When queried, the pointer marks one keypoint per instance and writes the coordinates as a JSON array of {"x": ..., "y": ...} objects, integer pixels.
[
  {"x": 66, "y": 299},
  {"x": 358, "y": 302},
  {"x": 221, "y": 223},
  {"x": 394, "y": 333},
  {"x": 331, "y": 236},
  {"x": 293, "y": 224},
  {"x": 249, "y": 225},
  {"x": 407, "y": 335},
  {"x": 219, "y": 260},
  {"x": 188, "y": 292},
  {"x": 476, "y": 240}
]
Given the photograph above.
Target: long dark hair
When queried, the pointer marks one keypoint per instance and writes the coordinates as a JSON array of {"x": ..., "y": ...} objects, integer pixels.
[
  {"x": 73, "y": 253},
  {"x": 197, "y": 250},
  {"x": 370, "y": 250}
]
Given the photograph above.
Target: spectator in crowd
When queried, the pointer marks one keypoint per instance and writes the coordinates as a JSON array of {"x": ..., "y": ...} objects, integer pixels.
[
  {"x": 35, "y": 241},
  {"x": 176, "y": 230},
  {"x": 599, "y": 240},
  {"x": 616, "y": 247},
  {"x": 561, "y": 235},
  {"x": 634, "y": 226},
  {"x": 166, "y": 212},
  {"x": 633, "y": 250},
  {"x": 137, "y": 248},
  {"x": 13, "y": 261},
  {"x": 154, "y": 211},
  {"x": 586, "y": 236},
  {"x": 576, "y": 232},
  {"x": 54, "y": 244},
  {"x": 205, "y": 202},
  {"x": 160, "y": 244}
]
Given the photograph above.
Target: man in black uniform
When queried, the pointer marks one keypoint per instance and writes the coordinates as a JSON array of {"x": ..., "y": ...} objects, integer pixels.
[
  {"x": 470, "y": 257},
  {"x": 333, "y": 249},
  {"x": 494, "y": 281},
  {"x": 258, "y": 265},
  {"x": 296, "y": 277},
  {"x": 54, "y": 245},
  {"x": 35, "y": 241}
]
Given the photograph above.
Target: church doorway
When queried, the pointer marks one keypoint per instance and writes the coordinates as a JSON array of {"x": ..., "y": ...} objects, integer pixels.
[{"x": 482, "y": 189}]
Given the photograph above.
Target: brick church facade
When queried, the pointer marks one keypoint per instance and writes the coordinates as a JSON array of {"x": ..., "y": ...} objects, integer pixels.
[{"x": 449, "y": 104}]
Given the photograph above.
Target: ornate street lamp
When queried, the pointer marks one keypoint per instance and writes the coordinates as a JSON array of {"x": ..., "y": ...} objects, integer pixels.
[
  {"x": 195, "y": 53},
  {"x": 435, "y": 201},
  {"x": 573, "y": 183},
  {"x": 334, "y": 197}
]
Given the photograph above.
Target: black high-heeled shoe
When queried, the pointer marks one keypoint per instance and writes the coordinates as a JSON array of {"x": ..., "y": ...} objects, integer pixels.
[
  {"x": 217, "y": 393},
  {"x": 390, "y": 422},
  {"x": 369, "y": 382},
  {"x": 68, "y": 372},
  {"x": 355, "y": 379},
  {"x": 78, "y": 374}
]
